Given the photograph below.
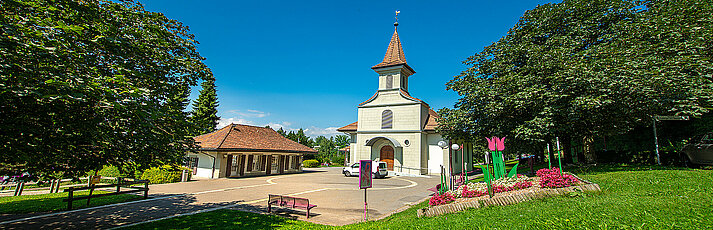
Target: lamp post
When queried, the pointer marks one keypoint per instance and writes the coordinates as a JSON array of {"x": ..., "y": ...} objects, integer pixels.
[
  {"x": 444, "y": 145},
  {"x": 455, "y": 147}
]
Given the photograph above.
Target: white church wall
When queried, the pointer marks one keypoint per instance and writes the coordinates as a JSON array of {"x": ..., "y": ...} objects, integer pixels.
[
  {"x": 435, "y": 154},
  {"x": 405, "y": 118},
  {"x": 407, "y": 157}
]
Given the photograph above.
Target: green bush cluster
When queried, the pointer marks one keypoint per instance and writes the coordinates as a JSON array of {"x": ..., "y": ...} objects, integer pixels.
[
  {"x": 110, "y": 171},
  {"x": 337, "y": 160},
  {"x": 163, "y": 174},
  {"x": 310, "y": 163}
]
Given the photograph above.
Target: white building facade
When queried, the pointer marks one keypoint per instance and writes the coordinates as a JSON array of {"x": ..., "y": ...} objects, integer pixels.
[{"x": 395, "y": 127}]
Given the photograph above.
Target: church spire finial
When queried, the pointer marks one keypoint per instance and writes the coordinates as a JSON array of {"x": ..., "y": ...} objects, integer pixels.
[{"x": 396, "y": 23}]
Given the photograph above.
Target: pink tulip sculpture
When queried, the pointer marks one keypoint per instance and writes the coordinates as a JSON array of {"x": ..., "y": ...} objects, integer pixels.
[{"x": 497, "y": 145}]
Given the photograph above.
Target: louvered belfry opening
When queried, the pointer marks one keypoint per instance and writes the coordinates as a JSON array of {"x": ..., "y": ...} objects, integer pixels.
[{"x": 387, "y": 119}]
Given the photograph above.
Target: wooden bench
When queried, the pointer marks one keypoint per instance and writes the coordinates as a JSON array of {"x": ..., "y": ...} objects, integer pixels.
[{"x": 289, "y": 202}]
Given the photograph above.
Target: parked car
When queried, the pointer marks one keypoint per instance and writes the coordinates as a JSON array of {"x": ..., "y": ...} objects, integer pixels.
[
  {"x": 376, "y": 172},
  {"x": 699, "y": 151}
]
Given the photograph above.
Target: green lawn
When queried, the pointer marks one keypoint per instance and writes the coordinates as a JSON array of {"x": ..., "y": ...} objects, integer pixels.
[
  {"x": 53, "y": 202},
  {"x": 634, "y": 197},
  {"x": 229, "y": 219}
]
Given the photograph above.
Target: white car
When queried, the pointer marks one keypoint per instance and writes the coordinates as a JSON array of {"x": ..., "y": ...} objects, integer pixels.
[{"x": 376, "y": 172}]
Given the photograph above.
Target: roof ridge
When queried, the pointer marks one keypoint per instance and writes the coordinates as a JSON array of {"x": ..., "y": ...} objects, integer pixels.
[{"x": 232, "y": 126}]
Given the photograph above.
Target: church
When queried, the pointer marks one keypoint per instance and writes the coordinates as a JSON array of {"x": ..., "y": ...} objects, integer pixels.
[{"x": 397, "y": 128}]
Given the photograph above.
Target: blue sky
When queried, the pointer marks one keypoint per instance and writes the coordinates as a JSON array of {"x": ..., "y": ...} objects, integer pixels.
[{"x": 307, "y": 64}]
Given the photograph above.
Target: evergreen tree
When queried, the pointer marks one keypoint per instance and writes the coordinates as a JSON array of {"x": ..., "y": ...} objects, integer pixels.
[{"x": 205, "y": 108}]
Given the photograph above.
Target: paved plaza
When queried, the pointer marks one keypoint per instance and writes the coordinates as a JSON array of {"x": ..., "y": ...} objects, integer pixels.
[{"x": 338, "y": 200}]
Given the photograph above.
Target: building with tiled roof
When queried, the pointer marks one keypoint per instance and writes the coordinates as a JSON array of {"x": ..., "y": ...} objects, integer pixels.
[
  {"x": 243, "y": 150},
  {"x": 395, "y": 127}
]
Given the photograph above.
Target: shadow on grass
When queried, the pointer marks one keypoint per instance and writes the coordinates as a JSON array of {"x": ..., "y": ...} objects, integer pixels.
[
  {"x": 53, "y": 202},
  {"x": 605, "y": 168},
  {"x": 245, "y": 217}
]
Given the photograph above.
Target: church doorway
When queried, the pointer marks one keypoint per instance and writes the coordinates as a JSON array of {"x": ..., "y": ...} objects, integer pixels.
[{"x": 387, "y": 155}]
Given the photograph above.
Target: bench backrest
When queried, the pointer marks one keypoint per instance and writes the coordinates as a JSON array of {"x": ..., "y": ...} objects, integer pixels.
[
  {"x": 302, "y": 202},
  {"x": 274, "y": 199}
]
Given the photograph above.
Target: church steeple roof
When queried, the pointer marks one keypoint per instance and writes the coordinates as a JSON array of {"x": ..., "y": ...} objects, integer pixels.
[{"x": 394, "y": 53}]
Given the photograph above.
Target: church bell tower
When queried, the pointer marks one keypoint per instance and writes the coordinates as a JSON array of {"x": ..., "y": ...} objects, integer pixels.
[{"x": 393, "y": 70}]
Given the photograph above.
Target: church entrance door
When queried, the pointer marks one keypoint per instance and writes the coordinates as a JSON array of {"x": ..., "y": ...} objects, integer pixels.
[{"x": 387, "y": 155}]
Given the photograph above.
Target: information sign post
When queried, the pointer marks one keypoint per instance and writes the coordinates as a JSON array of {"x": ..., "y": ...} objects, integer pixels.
[{"x": 365, "y": 181}]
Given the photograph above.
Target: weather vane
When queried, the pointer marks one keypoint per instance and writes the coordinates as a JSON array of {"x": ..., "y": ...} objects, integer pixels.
[{"x": 397, "y": 18}]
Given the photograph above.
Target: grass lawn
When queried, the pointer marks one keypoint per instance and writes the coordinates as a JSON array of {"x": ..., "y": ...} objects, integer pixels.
[
  {"x": 53, "y": 202},
  {"x": 634, "y": 197},
  {"x": 229, "y": 219}
]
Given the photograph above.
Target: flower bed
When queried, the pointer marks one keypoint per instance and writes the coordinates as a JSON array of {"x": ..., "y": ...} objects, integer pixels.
[
  {"x": 553, "y": 178},
  {"x": 507, "y": 191},
  {"x": 479, "y": 189}
]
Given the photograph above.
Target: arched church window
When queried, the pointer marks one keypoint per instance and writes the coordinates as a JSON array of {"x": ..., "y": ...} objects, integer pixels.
[
  {"x": 389, "y": 82},
  {"x": 387, "y": 119}
]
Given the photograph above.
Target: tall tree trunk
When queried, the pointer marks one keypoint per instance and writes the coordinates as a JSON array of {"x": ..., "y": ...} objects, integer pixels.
[{"x": 588, "y": 150}]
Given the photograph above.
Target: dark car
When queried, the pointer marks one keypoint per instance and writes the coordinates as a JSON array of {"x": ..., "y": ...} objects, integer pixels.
[{"x": 699, "y": 151}]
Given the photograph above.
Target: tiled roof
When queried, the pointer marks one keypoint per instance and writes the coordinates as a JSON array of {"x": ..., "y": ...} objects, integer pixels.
[
  {"x": 349, "y": 127},
  {"x": 371, "y": 98},
  {"x": 249, "y": 138},
  {"x": 394, "y": 53},
  {"x": 431, "y": 122}
]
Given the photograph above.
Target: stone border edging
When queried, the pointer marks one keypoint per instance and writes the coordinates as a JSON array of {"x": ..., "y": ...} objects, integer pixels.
[{"x": 506, "y": 199}]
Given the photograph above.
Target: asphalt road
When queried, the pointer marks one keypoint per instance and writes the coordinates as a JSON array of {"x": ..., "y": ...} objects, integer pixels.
[{"x": 338, "y": 200}]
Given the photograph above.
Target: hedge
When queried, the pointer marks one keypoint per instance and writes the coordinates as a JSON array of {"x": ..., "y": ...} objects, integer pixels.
[
  {"x": 310, "y": 163},
  {"x": 163, "y": 174}
]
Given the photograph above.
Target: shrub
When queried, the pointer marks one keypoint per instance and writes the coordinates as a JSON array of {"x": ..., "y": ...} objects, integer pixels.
[
  {"x": 553, "y": 178},
  {"x": 337, "y": 160},
  {"x": 310, "y": 163},
  {"x": 110, "y": 171},
  {"x": 163, "y": 174}
]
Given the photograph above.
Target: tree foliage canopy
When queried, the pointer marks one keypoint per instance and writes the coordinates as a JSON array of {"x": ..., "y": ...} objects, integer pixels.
[
  {"x": 90, "y": 83},
  {"x": 585, "y": 68}
]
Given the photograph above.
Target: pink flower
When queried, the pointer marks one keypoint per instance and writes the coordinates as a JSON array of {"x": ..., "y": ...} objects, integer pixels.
[
  {"x": 495, "y": 143},
  {"x": 500, "y": 143},
  {"x": 491, "y": 143}
]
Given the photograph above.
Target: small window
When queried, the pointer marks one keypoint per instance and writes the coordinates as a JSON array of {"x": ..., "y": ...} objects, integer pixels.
[
  {"x": 387, "y": 118},
  {"x": 389, "y": 82},
  {"x": 407, "y": 142}
]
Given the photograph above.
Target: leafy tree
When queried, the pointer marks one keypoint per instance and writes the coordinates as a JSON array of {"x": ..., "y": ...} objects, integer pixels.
[
  {"x": 205, "y": 108},
  {"x": 304, "y": 139},
  {"x": 327, "y": 149},
  {"x": 282, "y": 132},
  {"x": 92, "y": 83},
  {"x": 581, "y": 69},
  {"x": 341, "y": 140},
  {"x": 292, "y": 136}
]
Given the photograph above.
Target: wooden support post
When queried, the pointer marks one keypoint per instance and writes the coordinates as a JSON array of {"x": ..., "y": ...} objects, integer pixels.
[
  {"x": 146, "y": 191},
  {"x": 59, "y": 183},
  {"x": 19, "y": 186},
  {"x": 70, "y": 198},
  {"x": 51, "y": 186},
  {"x": 119, "y": 180},
  {"x": 91, "y": 190},
  {"x": 17, "y": 189}
]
